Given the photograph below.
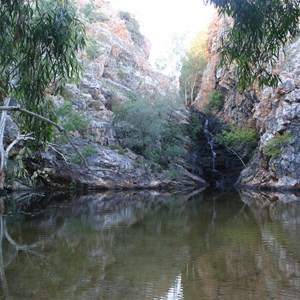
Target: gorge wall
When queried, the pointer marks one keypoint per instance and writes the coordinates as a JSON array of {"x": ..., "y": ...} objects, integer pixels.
[
  {"x": 115, "y": 69},
  {"x": 273, "y": 112}
]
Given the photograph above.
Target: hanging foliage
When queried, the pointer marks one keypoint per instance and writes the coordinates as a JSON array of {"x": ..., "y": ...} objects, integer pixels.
[
  {"x": 260, "y": 29},
  {"x": 39, "y": 41}
]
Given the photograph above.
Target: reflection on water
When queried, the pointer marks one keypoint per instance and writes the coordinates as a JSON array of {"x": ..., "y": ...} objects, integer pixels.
[{"x": 146, "y": 245}]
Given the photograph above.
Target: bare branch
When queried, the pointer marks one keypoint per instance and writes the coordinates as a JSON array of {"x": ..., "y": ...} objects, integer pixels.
[
  {"x": 64, "y": 158},
  {"x": 2, "y": 128},
  {"x": 3, "y": 281},
  {"x": 236, "y": 154},
  {"x": 30, "y": 113},
  {"x": 60, "y": 128},
  {"x": 17, "y": 140}
]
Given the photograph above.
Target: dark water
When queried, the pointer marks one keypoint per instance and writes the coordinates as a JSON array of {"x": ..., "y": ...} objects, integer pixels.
[{"x": 145, "y": 245}]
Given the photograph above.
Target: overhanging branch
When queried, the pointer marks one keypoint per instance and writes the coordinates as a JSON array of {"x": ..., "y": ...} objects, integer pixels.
[
  {"x": 236, "y": 154},
  {"x": 60, "y": 128}
]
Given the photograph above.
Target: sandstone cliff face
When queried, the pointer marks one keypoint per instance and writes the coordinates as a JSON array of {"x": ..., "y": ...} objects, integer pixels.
[
  {"x": 120, "y": 61},
  {"x": 237, "y": 108},
  {"x": 272, "y": 111},
  {"x": 116, "y": 68}
]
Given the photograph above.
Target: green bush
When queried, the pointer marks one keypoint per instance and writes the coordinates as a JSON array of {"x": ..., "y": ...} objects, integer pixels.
[
  {"x": 86, "y": 152},
  {"x": 91, "y": 14},
  {"x": 215, "y": 102},
  {"x": 242, "y": 141},
  {"x": 121, "y": 74},
  {"x": 119, "y": 148},
  {"x": 72, "y": 120},
  {"x": 149, "y": 128},
  {"x": 195, "y": 127},
  {"x": 88, "y": 11},
  {"x": 174, "y": 173},
  {"x": 92, "y": 49},
  {"x": 133, "y": 27},
  {"x": 275, "y": 146}
]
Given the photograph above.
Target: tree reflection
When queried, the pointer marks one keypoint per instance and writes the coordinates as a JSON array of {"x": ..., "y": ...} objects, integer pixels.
[
  {"x": 147, "y": 245},
  {"x": 5, "y": 236},
  {"x": 2, "y": 268}
]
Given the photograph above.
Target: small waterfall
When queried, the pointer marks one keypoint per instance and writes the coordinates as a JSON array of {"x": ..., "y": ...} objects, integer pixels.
[{"x": 211, "y": 141}]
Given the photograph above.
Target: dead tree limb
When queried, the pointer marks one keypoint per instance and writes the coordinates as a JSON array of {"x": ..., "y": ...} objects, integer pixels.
[{"x": 60, "y": 128}]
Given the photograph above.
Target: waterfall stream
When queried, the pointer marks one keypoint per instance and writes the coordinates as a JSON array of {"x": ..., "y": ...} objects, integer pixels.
[{"x": 211, "y": 141}]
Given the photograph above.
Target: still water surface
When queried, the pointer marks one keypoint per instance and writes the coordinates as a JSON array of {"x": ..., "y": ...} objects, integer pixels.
[{"x": 144, "y": 245}]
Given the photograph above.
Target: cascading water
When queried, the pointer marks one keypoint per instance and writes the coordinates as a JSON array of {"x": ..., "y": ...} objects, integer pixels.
[
  {"x": 212, "y": 160},
  {"x": 211, "y": 141}
]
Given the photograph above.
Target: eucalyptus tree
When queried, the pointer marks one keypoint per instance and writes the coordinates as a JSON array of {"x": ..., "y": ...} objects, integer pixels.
[
  {"x": 192, "y": 67},
  {"x": 39, "y": 40},
  {"x": 260, "y": 29},
  {"x": 191, "y": 72}
]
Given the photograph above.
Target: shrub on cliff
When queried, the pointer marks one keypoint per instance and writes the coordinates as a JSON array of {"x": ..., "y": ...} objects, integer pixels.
[
  {"x": 92, "y": 48},
  {"x": 240, "y": 141},
  {"x": 274, "y": 147},
  {"x": 91, "y": 14},
  {"x": 72, "y": 120},
  {"x": 215, "y": 102},
  {"x": 151, "y": 128},
  {"x": 133, "y": 27}
]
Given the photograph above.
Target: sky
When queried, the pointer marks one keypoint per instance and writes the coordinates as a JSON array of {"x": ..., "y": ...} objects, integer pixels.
[{"x": 160, "y": 19}]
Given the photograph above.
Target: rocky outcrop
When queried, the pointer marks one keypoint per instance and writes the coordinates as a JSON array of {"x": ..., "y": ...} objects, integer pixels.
[
  {"x": 271, "y": 111},
  {"x": 105, "y": 169},
  {"x": 237, "y": 106},
  {"x": 277, "y": 113},
  {"x": 116, "y": 68},
  {"x": 117, "y": 54}
]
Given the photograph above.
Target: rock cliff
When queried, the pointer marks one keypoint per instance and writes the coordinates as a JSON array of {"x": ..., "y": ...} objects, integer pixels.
[
  {"x": 115, "y": 68},
  {"x": 277, "y": 114},
  {"x": 273, "y": 112}
]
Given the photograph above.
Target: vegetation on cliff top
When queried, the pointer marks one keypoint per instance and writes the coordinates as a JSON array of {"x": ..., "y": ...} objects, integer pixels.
[{"x": 240, "y": 141}]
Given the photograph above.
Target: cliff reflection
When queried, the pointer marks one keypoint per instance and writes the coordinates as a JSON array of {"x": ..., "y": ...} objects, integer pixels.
[{"x": 146, "y": 245}]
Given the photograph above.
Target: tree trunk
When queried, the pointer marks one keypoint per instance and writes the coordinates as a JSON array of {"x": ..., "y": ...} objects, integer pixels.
[
  {"x": 3, "y": 157},
  {"x": 185, "y": 96},
  {"x": 2, "y": 179},
  {"x": 192, "y": 90}
]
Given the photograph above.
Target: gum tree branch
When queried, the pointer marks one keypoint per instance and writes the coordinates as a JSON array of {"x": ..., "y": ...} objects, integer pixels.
[{"x": 60, "y": 128}]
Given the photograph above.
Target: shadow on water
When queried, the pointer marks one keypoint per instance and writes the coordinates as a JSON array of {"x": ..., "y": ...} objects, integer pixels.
[{"x": 150, "y": 245}]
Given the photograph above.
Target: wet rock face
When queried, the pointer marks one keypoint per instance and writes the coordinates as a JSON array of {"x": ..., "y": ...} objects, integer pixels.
[{"x": 211, "y": 160}]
